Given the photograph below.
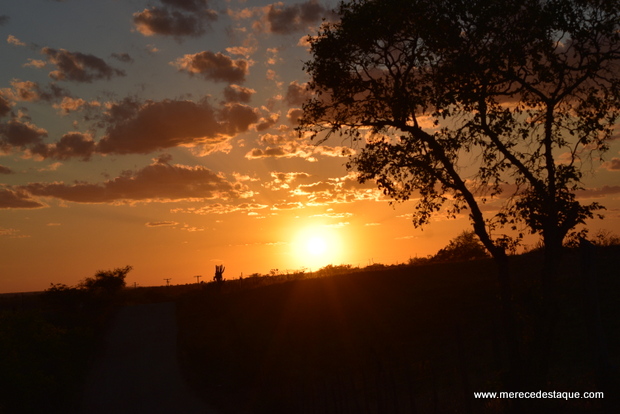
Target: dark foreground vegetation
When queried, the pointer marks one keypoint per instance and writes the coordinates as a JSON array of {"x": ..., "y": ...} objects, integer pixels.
[
  {"x": 416, "y": 338},
  {"x": 408, "y": 339},
  {"x": 48, "y": 341}
]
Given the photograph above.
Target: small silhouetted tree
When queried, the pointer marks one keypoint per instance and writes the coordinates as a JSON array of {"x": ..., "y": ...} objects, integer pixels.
[
  {"x": 107, "y": 282},
  {"x": 465, "y": 246}
]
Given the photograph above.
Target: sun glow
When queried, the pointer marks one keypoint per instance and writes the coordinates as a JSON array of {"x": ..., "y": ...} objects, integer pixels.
[{"x": 317, "y": 246}]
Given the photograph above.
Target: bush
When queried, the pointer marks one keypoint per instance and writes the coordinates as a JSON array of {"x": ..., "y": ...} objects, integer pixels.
[
  {"x": 107, "y": 282},
  {"x": 602, "y": 237},
  {"x": 605, "y": 237},
  {"x": 463, "y": 247}
]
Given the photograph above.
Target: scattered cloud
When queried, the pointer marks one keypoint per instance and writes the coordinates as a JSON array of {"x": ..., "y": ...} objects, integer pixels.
[
  {"x": 5, "y": 106},
  {"x": 297, "y": 94},
  {"x": 287, "y": 206},
  {"x": 284, "y": 180},
  {"x": 78, "y": 67},
  {"x": 288, "y": 145},
  {"x": 26, "y": 91},
  {"x": 243, "y": 14},
  {"x": 214, "y": 66},
  {"x": 122, "y": 57},
  {"x": 236, "y": 93},
  {"x": 140, "y": 128},
  {"x": 282, "y": 19},
  {"x": 288, "y": 151},
  {"x": 333, "y": 215},
  {"x": 29, "y": 91},
  {"x": 70, "y": 145},
  {"x": 273, "y": 76},
  {"x": 267, "y": 122},
  {"x": 304, "y": 42},
  {"x": 219, "y": 208},
  {"x": 161, "y": 224},
  {"x": 613, "y": 165},
  {"x": 152, "y": 49},
  {"x": 11, "y": 233},
  {"x": 337, "y": 225},
  {"x": 16, "y": 198},
  {"x": 20, "y": 134},
  {"x": 35, "y": 63},
  {"x": 191, "y": 228},
  {"x": 598, "y": 192},
  {"x": 247, "y": 46},
  {"x": 294, "y": 115},
  {"x": 245, "y": 51},
  {"x": 157, "y": 182},
  {"x": 51, "y": 167},
  {"x": 336, "y": 190},
  {"x": 177, "y": 18},
  {"x": 4, "y": 19},
  {"x": 274, "y": 56},
  {"x": 12, "y": 40},
  {"x": 134, "y": 127},
  {"x": 69, "y": 104},
  {"x": 333, "y": 151}
]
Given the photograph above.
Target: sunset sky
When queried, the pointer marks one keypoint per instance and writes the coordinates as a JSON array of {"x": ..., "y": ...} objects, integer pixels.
[{"x": 160, "y": 134}]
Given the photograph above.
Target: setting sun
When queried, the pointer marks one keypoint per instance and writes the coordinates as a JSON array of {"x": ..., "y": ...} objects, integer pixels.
[{"x": 316, "y": 246}]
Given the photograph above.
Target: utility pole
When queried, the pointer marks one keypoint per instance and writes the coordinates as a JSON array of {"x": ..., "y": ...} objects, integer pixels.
[
  {"x": 198, "y": 278},
  {"x": 167, "y": 281}
]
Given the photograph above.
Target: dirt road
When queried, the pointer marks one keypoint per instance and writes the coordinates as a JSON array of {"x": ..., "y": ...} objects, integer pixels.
[{"x": 138, "y": 372}]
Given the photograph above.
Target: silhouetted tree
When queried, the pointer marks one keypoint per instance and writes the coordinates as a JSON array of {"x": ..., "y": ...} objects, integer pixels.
[
  {"x": 465, "y": 246},
  {"x": 458, "y": 103},
  {"x": 464, "y": 101},
  {"x": 106, "y": 282}
]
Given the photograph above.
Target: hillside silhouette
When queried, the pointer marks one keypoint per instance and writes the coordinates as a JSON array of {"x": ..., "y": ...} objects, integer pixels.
[
  {"x": 421, "y": 337},
  {"x": 398, "y": 340}
]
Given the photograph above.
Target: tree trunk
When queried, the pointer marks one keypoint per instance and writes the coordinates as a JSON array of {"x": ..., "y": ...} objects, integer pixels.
[
  {"x": 514, "y": 377},
  {"x": 545, "y": 321},
  {"x": 511, "y": 335}
]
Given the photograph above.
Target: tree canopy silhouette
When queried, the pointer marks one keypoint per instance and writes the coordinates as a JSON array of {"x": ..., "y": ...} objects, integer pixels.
[
  {"x": 490, "y": 107},
  {"x": 106, "y": 281},
  {"x": 461, "y": 103}
]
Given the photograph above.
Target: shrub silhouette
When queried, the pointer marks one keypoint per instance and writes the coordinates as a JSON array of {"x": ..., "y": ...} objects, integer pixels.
[
  {"x": 106, "y": 282},
  {"x": 604, "y": 237},
  {"x": 90, "y": 297},
  {"x": 465, "y": 246}
]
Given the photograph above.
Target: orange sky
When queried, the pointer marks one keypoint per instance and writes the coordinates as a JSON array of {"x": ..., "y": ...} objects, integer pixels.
[{"x": 127, "y": 138}]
